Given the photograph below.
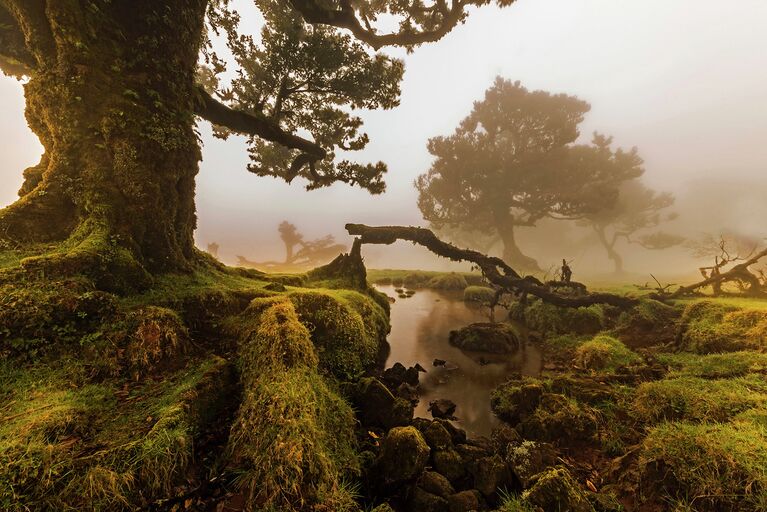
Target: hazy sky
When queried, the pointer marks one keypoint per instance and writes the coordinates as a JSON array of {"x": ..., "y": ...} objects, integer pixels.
[{"x": 684, "y": 80}]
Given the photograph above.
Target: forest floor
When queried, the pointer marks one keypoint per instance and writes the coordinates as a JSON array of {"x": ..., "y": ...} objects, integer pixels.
[{"x": 230, "y": 389}]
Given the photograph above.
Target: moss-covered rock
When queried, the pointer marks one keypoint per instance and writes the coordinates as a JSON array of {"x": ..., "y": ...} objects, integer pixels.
[
  {"x": 514, "y": 401},
  {"x": 561, "y": 420},
  {"x": 479, "y": 294},
  {"x": 489, "y": 337},
  {"x": 377, "y": 406},
  {"x": 648, "y": 323},
  {"x": 555, "y": 490},
  {"x": 404, "y": 454},
  {"x": 550, "y": 319},
  {"x": 604, "y": 353}
]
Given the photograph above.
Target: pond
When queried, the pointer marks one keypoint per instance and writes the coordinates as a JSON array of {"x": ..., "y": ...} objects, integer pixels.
[{"x": 420, "y": 326}]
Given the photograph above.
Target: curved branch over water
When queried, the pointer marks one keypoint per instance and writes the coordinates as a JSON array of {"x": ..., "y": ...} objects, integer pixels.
[{"x": 494, "y": 269}]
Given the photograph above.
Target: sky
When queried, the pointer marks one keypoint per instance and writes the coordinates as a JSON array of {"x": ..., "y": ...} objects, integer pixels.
[{"x": 685, "y": 81}]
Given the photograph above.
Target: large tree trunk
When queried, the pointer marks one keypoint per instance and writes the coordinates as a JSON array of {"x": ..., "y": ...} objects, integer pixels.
[
  {"x": 614, "y": 255},
  {"x": 511, "y": 252},
  {"x": 112, "y": 103}
]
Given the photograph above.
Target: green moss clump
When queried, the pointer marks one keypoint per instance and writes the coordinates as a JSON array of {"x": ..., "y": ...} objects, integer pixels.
[
  {"x": 555, "y": 490},
  {"x": 293, "y": 437},
  {"x": 479, "y": 294},
  {"x": 710, "y": 327},
  {"x": 721, "y": 465},
  {"x": 604, "y": 353},
  {"x": 550, "y": 319},
  {"x": 560, "y": 419},
  {"x": 648, "y": 323},
  {"x": 416, "y": 280},
  {"x": 451, "y": 281},
  {"x": 347, "y": 327},
  {"x": 715, "y": 366},
  {"x": 159, "y": 337},
  {"x": 698, "y": 400},
  {"x": 514, "y": 503}
]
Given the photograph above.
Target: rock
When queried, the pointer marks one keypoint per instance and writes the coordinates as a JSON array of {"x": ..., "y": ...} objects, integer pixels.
[
  {"x": 458, "y": 435},
  {"x": 423, "y": 501},
  {"x": 482, "y": 442},
  {"x": 530, "y": 458},
  {"x": 442, "y": 408},
  {"x": 555, "y": 489},
  {"x": 437, "y": 436},
  {"x": 486, "y": 337},
  {"x": 384, "y": 507},
  {"x": 514, "y": 401},
  {"x": 490, "y": 474},
  {"x": 433, "y": 482},
  {"x": 408, "y": 392},
  {"x": 465, "y": 501},
  {"x": 421, "y": 423},
  {"x": 470, "y": 453},
  {"x": 398, "y": 374},
  {"x": 419, "y": 368},
  {"x": 560, "y": 419},
  {"x": 404, "y": 454},
  {"x": 439, "y": 362},
  {"x": 503, "y": 436},
  {"x": 377, "y": 406},
  {"x": 449, "y": 463}
]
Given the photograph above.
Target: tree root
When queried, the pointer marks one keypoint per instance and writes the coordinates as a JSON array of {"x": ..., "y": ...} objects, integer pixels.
[{"x": 494, "y": 269}]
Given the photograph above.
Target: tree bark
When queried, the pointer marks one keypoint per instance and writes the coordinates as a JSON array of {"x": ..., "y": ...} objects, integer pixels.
[
  {"x": 511, "y": 252},
  {"x": 614, "y": 255},
  {"x": 112, "y": 99}
]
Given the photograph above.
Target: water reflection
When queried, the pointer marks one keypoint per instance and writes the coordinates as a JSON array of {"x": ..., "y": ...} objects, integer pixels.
[{"x": 419, "y": 333}]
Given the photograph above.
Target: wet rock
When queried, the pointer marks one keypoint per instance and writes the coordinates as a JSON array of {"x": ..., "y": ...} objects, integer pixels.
[
  {"x": 514, "y": 401},
  {"x": 408, "y": 392},
  {"x": 377, "y": 406},
  {"x": 421, "y": 424},
  {"x": 434, "y": 483},
  {"x": 555, "y": 489},
  {"x": 437, "y": 436},
  {"x": 503, "y": 436},
  {"x": 465, "y": 501},
  {"x": 398, "y": 374},
  {"x": 439, "y": 362},
  {"x": 423, "y": 501},
  {"x": 458, "y": 435},
  {"x": 404, "y": 454},
  {"x": 486, "y": 337},
  {"x": 490, "y": 474},
  {"x": 419, "y": 368},
  {"x": 442, "y": 408},
  {"x": 449, "y": 463},
  {"x": 528, "y": 459}
]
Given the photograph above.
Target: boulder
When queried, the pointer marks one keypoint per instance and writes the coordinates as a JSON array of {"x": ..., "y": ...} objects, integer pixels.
[
  {"x": 514, "y": 401},
  {"x": 449, "y": 463},
  {"x": 490, "y": 474},
  {"x": 398, "y": 374},
  {"x": 408, "y": 392},
  {"x": 377, "y": 406},
  {"x": 555, "y": 489},
  {"x": 439, "y": 362},
  {"x": 458, "y": 435},
  {"x": 486, "y": 337},
  {"x": 442, "y": 408},
  {"x": 465, "y": 501},
  {"x": 504, "y": 436},
  {"x": 433, "y": 482},
  {"x": 423, "y": 501},
  {"x": 404, "y": 454},
  {"x": 528, "y": 459},
  {"x": 437, "y": 436}
]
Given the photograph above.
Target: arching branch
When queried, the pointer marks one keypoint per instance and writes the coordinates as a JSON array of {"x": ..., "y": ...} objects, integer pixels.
[
  {"x": 494, "y": 269},
  {"x": 441, "y": 20},
  {"x": 15, "y": 58},
  {"x": 217, "y": 113}
]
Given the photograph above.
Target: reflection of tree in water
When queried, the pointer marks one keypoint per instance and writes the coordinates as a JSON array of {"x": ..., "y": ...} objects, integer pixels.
[{"x": 421, "y": 327}]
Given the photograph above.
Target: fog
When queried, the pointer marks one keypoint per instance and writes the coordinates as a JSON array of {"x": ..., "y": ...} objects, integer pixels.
[{"x": 684, "y": 81}]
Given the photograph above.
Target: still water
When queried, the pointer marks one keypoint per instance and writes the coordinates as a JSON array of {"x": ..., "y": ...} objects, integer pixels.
[{"x": 420, "y": 326}]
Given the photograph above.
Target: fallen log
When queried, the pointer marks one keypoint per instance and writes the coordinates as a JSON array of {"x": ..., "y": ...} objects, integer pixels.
[{"x": 494, "y": 269}]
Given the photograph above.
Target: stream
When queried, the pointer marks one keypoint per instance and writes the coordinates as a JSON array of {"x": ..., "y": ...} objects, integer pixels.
[{"x": 420, "y": 326}]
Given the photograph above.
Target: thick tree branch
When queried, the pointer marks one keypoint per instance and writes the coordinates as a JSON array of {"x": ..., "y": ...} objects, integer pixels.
[
  {"x": 242, "y": 122},
  {"x": 15, "y": 58},
  {"x": 494, "y": 269},
  {"x": 316, "y": 13}
]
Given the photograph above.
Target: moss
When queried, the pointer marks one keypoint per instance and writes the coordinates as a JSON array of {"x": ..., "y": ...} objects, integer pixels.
[
  {"x": 550, "y": 319},
  {"x": 648, "y": 323},
  {"x": 479, "y": 294},
  {"x": 555, "y": 490},
  {"x": 451, "y": 281},
  {"x": 159, "y": 337},
  {"x": 708, "y": 327},
  {"x": 68, "y": 444},
  {"x": 604, "y": 353},
  {"x": 720, "y": 465},
  {"x": 714, "y": 366},
  {"x": 348, "y": 329},
  {"x": 562, "y": 347},
  {"x": 514, "y": 503},
  {"x": 560, "y": 419},
  {"x": 293, "y": 438},
  {"x": 699, "y": 400}
]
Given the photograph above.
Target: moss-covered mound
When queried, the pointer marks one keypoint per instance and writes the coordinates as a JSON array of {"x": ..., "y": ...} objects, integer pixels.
[
  {"x": 709, "y": 327},
  {"x": 550, "y": 319},
  {"x": 715, "y": 366},
  {"x": 451, "y": 281},
  {"x": 604, "y": 353},
  {"x": 647, "y": 324},
  {"x": 479, "y": 294},
  {"x": 495, "y": 338}
]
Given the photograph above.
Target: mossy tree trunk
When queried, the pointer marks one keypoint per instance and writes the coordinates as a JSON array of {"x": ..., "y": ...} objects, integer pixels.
[{"x": 112, "y": 101}]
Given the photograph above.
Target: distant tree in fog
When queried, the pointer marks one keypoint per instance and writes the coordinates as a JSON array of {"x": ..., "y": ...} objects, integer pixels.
[
  {"x": 511, "y": 163},
  {"x": 290, "y": 237},
  {"x": 311, "y": 252},
  {"x": 636, "y": 212}
]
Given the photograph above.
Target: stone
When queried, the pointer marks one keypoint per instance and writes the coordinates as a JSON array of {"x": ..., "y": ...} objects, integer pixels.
[
  {"x": 490, "y": 474},
  {"x": 423, "y": 501},
  {"x": 465, "y": 501},
  {"x": 469, "y": 453},
  {"x": 398, "y": 374},
  {"x": 458, "y": 435},
  {"x": 437, "y": 436},
  {"x": 404, "y": 454},
  {"x": 408, "y": 392},
  {"x": 439, "y": 362},
  {"x": 555, "y": 489},
  {"x": 442, "y": 408},
  {"x": 433, "y": 482},
  {"x": 514, "y": 401},
  {"x": 488, "y": 337},
  {"x": 503, "y": 436},
  {"x": 449, "y": 463},
  {"x": 530, "y": 458},
  {"x": 377, "y": 406}
]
